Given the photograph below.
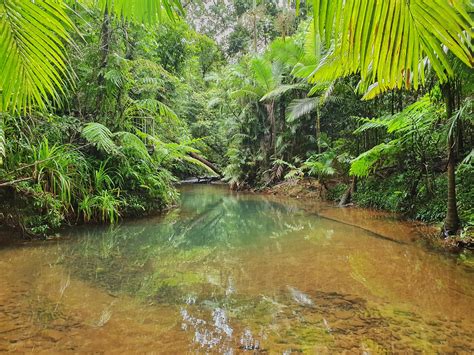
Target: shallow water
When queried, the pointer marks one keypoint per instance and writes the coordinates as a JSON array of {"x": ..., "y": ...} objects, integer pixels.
[{"x": 231, "y": 272}]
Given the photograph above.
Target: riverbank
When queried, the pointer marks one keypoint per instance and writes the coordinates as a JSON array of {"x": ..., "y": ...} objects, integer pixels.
[
  {"x": 309, "y": 192},
  {"x": 309, "y": 189}
]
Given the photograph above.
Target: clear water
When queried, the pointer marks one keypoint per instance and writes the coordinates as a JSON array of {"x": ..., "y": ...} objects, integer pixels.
[{"x": 231, "y": 272}]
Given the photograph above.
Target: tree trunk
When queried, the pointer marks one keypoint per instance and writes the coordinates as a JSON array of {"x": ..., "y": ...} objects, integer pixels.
[
  {"x": 347, "y": 197},
  {"x": 206, "y": 162},
  {"x": 318, "y": 129},
  {"x": 451, "y": 224},
  {"x": 273, "y": 130},
  {"x": 105, "y": 38},
  {"x": 255, "y": 26}
]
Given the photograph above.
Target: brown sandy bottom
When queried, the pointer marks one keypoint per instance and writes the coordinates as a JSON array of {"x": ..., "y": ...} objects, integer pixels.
[{"x": 309, "y": 285}]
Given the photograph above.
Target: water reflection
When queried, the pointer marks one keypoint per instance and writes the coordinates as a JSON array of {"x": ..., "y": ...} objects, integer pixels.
[
  {"x": 153, "y": 258},
  {"x": 228, "y": 273}
]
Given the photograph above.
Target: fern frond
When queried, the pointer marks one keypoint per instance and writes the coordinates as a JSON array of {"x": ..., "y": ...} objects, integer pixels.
[
  {"x": 131, "y": 142},
  {"x": 100, "y": 136},
  {"x": 365, "y": 163}
]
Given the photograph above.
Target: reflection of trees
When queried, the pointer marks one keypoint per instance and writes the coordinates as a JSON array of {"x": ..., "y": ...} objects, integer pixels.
[
  {"x": 182, "y": 248},
  {"x": 407, "y": 276}
]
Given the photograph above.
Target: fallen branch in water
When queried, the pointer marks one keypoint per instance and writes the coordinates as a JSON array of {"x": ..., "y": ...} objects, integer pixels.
[{"x": 206, "y": 162}]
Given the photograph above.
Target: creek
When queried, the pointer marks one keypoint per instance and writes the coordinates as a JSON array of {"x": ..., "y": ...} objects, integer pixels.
[{"x": 226, "y": 272}]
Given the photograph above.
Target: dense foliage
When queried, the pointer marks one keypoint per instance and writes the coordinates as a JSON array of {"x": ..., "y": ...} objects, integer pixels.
[
  {"x": 105, "y": 105},
  {"x": 122, "y": 134}
]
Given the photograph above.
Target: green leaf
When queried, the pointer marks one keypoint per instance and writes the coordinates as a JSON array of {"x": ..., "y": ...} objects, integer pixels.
[
  {"x": 387, "y": 41},
  {"x": 32, "y": 53}
]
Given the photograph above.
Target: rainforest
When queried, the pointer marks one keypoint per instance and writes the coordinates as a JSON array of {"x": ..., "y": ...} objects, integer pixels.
[{"x": 230, "y": 176}]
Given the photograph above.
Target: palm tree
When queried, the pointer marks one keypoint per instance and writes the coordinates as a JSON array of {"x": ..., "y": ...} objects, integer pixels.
[
  {"x": 390, "y": 43},
  {"x": 33, "y": 40},
  {"x": 258, "y": 90}
]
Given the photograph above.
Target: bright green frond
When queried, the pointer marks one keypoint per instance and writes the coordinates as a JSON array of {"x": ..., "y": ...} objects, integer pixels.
[
  {"x": 262, "y": 71},
  {"x": 32, "y": 57},
  {"x": 100, "y": 136},
  {"x": 147, "y": 11},
  {"x": 365, "y": 163},
  {"x": 386, "y": 41},
  {"x": 280, "y": 90},
  {"x": 133, "y": 143}
]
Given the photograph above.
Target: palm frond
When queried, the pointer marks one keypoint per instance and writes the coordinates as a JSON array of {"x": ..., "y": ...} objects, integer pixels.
[
  {"x": 262, "y": 71},
  {"x": 386, "y": 41},
  {"x": 147, "y": 11},
  {"x": 280, "y": 90},
  {"x": 469, "y": 159},
  {"x": 312, "y": 45},
  {"x": 301, "y": 107},
  {"x": 370, "y": 124},
  {"x": 2, "y": 143},
  {"x": 32, "y": 53},
  {"x": 286, "y": 51}
]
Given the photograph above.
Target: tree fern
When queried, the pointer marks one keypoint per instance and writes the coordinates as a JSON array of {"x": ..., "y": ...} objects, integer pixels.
[
  {"x": 131, "y": 142},
  {"x": 157, "y": 107},
  {"x": 417, "y": 117},
  {"x": 100, "y": 136}
]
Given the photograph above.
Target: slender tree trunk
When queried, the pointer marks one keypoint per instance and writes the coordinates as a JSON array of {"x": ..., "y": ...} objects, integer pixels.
[
  {"x": 105, "y": 38},
  {"x": 347, "y": 197},
  {"x": 206, "y": 162},
  {"x": 451, "y": 224},
  {"x": 282, "y": 126},
  {"x": 255, "y": 26},
  {"x": 129, "y": 45},
  {"x": 318, "y": 129},
  {"x": 271, "y": 118}
]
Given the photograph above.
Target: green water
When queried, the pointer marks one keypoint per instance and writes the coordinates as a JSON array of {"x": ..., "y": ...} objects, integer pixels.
[{"x": 229, "y": 272}]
